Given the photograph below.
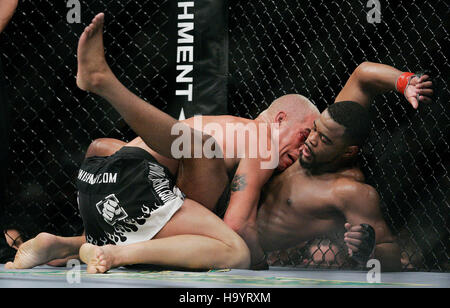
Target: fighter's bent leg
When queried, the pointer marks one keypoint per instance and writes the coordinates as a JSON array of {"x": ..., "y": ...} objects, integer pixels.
[
  {"x": 194, "y": 238},
  {"x": 203, "y": 180},
  {"x": 94, "y": 75}
]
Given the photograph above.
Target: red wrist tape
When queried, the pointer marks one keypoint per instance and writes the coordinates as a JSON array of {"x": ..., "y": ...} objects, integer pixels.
[{"x": 403, "y": 81}]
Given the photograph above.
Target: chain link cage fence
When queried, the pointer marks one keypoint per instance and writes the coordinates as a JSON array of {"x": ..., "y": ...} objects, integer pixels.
[
  {"x": 275, "y": 47},
  {"x": 312, "y": 47}
]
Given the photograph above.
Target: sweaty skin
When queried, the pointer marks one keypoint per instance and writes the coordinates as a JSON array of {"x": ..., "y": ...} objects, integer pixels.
[
  {"x": 297, "y": 207},
  {"x": 227, "y": 141},
  {"x": 322, "y": 193}
]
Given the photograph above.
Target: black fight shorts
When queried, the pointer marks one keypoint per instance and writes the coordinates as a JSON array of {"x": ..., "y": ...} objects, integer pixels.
[{"x": 125, "y": 198}]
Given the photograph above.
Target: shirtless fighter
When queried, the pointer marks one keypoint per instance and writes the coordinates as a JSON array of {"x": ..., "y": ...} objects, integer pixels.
[
  {"x": 202, "y": 180},
  {"x": 324, "y": 191}
]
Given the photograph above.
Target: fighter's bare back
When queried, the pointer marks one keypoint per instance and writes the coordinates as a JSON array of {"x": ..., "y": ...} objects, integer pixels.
[{"x": 221, "y": 139}]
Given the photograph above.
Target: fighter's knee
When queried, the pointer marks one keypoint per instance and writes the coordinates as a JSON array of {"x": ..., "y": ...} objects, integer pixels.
[
  {"x": 104, "y": 147},
  {"x": 94, "y": 148}
]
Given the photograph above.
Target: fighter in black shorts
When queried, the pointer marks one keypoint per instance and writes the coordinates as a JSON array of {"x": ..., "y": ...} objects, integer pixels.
[
  {"x": 125, "y": 198},
  {"x": 128, "y": 200}
]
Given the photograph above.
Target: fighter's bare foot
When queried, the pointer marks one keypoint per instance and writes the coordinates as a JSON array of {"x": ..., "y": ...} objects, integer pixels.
[
  {"x": 34, "y": 252},
  {"x": 98, "y": 259},
  {"x": 92, "y": 66}
]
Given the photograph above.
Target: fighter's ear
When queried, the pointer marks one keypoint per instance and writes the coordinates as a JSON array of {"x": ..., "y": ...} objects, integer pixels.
[
  {"x": 351, "y": 151},
  {"x": 280, "y": 117}
]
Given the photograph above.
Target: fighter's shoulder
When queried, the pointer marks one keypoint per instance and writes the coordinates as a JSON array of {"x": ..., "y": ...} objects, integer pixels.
[
  {"x": 353, "y": 173},
  {"x": 348, "y": 191}
]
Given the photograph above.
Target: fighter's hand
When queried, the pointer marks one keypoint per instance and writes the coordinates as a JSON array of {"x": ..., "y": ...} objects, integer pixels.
[
  {"x": 360, "y": 241},
  {"x": 418, "y": 90},
  {"x": 110, "y": 209}
]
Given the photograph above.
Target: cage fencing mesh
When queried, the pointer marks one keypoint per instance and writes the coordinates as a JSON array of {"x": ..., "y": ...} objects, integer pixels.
[
  {"x": 276, "y": 47},
  {"x": 311, "y": 48}
]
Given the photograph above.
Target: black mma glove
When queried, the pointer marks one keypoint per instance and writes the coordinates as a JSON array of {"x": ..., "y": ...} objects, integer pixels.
[{"x": 360, "y": 241}]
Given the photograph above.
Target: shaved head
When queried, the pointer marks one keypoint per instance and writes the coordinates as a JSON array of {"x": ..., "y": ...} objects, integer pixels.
[
  {"x": 295, "y": 115},
  {"x": 297, "y": 107}
]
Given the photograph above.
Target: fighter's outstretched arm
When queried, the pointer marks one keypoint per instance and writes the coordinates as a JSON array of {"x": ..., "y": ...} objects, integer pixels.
[{"x": 370, "y": 79}]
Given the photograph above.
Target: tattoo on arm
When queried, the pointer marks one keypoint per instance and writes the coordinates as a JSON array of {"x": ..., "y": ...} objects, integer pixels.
[{"x": 239, "y": 183}]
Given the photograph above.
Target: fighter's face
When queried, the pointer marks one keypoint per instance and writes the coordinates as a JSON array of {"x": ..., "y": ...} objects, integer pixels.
[
  {"x": 291, "y": 140},
  {"x": 325, "y": 143}
]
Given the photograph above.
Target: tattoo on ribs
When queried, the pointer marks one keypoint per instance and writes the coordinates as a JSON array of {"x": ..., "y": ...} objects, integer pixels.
[{"x": 238, "y": 183}]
